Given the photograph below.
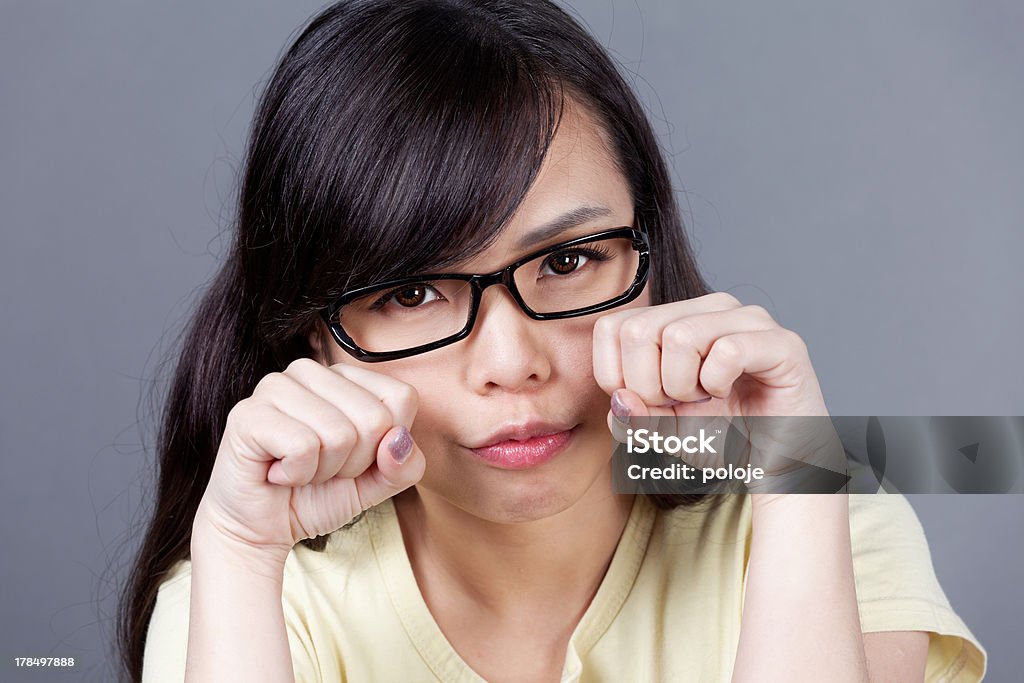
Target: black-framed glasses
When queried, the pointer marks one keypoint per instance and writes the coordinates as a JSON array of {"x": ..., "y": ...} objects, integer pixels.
[{"x": 411, "y": 315}]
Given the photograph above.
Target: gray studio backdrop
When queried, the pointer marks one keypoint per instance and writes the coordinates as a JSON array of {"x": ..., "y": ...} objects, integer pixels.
[{"x": 856, "y": 168}]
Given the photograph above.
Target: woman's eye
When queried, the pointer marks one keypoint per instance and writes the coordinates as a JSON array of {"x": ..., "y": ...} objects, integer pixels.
[
  {"x": 565, "y": 262},
  {"x": 409, "y": 296}
]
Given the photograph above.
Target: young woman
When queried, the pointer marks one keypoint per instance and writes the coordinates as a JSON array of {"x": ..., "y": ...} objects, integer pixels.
[{"x": 386, "y": 451}]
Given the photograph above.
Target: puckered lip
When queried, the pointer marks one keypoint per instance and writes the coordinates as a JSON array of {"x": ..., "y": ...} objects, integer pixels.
[{"x": 522, "y": 431}]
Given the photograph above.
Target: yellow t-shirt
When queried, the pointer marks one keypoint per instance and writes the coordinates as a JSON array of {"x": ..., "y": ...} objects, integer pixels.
[{"x": 668, "y": 608}]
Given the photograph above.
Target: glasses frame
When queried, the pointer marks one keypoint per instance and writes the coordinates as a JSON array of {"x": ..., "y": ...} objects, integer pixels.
[{"x": 478, "y": 283}]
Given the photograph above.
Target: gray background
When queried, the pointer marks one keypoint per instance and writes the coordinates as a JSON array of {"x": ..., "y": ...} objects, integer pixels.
[{"x": 856, "y": 168}]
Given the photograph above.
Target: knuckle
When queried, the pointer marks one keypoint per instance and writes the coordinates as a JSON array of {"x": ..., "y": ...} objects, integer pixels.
[
  {"x": 300, "y": 365},
  {"x": 242, "y": 414},
  {"x": 605, "y": 326},
  {"x": 339, "y": 438},
  {"x": 633, "y": 331},
  {"x": 727, "y": 348},
  {"x": 375, "y": 420},
  {"x": 758, "y": 311},
  {"x": 270, "y": 383},
  {"x": 301, "y": 444},
  {"x": 795, "y": 339},
  {"x": 726, "y": 300},
  {"x": 239, "y": 411},
  {"x": 680, "y": 334},
  {"x": 407, "y": 397}
]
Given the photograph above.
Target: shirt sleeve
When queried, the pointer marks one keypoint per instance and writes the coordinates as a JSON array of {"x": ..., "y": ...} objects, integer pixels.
[
  {"x": 167, "y": 635},
  {"x": 897, "y": 589}
]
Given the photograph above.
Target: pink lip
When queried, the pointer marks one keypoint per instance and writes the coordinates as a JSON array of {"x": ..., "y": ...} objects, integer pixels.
[{"x": 512, "y": 454}]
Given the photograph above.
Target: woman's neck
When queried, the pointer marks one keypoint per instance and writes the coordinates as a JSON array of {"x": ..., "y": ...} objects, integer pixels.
[{"x": 509, "y": 570}]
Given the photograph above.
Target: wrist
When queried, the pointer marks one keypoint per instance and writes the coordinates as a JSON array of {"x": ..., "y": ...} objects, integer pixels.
[{"x": 210, "y": 544}]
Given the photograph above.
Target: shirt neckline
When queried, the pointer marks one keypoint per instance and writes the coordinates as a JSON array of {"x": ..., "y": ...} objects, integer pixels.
[{"x": 424, "y": 632}]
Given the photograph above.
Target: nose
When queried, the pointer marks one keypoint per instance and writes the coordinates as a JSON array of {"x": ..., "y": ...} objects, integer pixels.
[{"x": 506, "y": 348}]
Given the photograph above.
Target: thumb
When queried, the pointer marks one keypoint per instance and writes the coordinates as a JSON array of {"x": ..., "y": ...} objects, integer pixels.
[
  {"x": 400, "y": 464},
  {"x": 626, "y": 405}
]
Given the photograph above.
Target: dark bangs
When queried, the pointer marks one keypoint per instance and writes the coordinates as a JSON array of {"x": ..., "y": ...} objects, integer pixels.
[{"x": 393, "y": 138}]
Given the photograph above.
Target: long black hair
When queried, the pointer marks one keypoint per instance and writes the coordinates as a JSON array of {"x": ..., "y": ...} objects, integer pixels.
[{"x": 393, "y": 136}]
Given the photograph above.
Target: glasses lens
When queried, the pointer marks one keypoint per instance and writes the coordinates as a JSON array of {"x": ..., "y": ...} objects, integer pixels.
[
  {"x": 404, "y": 316},
  {"x": 579, "y": 276}
]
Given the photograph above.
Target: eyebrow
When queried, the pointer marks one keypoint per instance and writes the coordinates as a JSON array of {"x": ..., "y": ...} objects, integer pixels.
[{"x": 570, "y": 219}]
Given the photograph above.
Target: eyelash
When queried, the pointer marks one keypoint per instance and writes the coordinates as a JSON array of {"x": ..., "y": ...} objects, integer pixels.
[
  {"x": 599, "y": 254},
  {"x": 596, "y": 253},
  {"x": 387, "y": 296}
]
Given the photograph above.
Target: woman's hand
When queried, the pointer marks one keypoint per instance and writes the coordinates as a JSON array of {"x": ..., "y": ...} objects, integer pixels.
[
  {"x": 657, "y": 361},
  {"x": 310, "y": 449},
  {"x": 713, "y": 356},
  {"x": 667, "y": 357}
]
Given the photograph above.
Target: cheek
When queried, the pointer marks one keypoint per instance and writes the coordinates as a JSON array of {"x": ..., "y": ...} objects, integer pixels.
[
  {"x": 574, "y": 352},
  {"x": 436, "y": 419},
  {"x": 644, "y": 299}
]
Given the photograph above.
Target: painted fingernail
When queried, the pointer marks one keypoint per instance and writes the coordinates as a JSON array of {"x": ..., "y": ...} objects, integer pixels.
[
  {"x": 401, "y": 445},
  {"x": 619, "y": 409}
]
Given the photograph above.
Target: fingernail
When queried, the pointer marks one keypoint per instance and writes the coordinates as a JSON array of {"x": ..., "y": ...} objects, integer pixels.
[
  {"x": 401, "y": 445},
  {"x": 619, "y": 409},
  {"x": 703, "y": 400}
]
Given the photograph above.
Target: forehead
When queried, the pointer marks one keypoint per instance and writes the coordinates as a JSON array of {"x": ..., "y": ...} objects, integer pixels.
[{"x": 578, "y": 190}]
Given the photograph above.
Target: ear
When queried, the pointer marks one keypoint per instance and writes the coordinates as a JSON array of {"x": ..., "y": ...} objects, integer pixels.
[{"x": 315, "y": 339}]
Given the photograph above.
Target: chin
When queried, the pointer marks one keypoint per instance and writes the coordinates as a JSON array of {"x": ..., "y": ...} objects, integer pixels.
[
  {"x": 528, "y": 503},
  {"x": 532, "y": 494}
]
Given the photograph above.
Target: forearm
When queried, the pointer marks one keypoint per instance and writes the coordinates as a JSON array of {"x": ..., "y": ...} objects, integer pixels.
[
  {"x": 800, "y": 620},
  {"x": 236, "y": 621}
]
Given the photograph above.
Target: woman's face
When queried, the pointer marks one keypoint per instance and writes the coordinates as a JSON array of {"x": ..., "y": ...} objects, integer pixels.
[{"x": 512, "y": 369}]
